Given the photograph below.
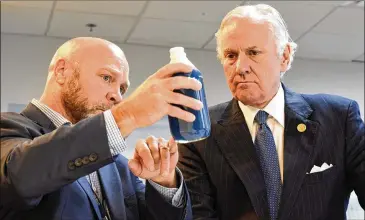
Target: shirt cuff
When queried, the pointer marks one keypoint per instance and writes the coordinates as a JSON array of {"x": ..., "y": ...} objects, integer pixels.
[
  {"x": 116, "y": 141},
  {"x": 174, "y": 196}
]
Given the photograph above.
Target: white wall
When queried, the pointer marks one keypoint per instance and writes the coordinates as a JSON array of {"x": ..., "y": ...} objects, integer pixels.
[{"x": 25, "y": 59}]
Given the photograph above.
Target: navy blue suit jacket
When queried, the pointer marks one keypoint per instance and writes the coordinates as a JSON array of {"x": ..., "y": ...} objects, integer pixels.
[
  {"x": 223, "y": 172},
  {"x": 39, "y": 178}
]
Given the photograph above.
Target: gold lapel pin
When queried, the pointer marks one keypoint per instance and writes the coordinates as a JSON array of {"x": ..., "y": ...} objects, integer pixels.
[{"x": 301, "y": 127}]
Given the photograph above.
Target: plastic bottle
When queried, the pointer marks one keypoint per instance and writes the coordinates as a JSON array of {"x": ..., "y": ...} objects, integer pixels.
[{"x": 199, "y": 129}]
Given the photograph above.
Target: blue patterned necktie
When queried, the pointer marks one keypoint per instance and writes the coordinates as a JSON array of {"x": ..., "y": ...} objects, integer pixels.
[{"x": 269, "y": 162}]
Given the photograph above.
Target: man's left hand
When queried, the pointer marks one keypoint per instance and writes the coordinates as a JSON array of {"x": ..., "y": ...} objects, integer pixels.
[{"x": 155, "y": 159}]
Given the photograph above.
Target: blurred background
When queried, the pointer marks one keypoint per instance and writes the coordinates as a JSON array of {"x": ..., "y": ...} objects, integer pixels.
[{"x": 330, "y": 37}]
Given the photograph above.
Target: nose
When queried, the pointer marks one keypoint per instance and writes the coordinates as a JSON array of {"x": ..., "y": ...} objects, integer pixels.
[
  {"x": 114, "y": 98},
  {"x": 242, "y": 65}
]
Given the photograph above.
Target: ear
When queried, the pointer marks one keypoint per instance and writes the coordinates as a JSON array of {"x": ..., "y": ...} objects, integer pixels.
[
  {"x": 285, "y": 58},
  {"x": 60, "y": 71}
]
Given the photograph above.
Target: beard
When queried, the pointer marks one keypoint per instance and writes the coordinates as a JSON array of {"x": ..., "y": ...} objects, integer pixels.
[{"x": 76, "y": 104}]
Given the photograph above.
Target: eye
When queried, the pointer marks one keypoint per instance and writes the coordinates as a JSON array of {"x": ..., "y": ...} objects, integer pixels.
[
  {"x": 231, "y": 56},
  {"x": 253, "y": 52},
  {"x": 107, "y": 78},
  {"x": 122, "y": 90}
]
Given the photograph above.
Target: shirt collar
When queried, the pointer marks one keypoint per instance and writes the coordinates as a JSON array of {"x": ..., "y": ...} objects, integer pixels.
[
  {"x": 57, "y": 119},
  {"x": 275, "y": 109}
]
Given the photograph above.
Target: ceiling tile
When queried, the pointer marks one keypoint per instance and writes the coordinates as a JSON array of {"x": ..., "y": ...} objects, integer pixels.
[
  {"x": 22, "y": 20},
  {"x": 71, "y": 24},
  {"x": 172, "y": 33},
  {"x": 321, "y": 2},
  {"x": 360, "y": 4},
  {"x": 353, "y": 4},
  {"x": 103, "y": 7},
  {"x": 211, "y": 45},
  {"x": 361, "y": 58},
  {"x": 31, "y": 4},
  {"x": 210, "y": 11},
  {"x": 300, "y": 16},
  {"x": 343, "y": 21},
  {"x": 331, "y": 47},
  {"x": 316, "y": 2}
]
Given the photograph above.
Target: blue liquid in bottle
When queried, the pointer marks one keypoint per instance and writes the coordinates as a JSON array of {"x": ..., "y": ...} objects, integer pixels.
[{"x": 199, "y": 129}]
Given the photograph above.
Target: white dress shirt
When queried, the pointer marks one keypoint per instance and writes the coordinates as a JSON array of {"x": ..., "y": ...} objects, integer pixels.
[{"x": 275, "y": 109}]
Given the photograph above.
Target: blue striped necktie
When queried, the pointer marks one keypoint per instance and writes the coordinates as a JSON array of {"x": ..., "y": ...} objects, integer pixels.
[{"x": 269, "y": 162}]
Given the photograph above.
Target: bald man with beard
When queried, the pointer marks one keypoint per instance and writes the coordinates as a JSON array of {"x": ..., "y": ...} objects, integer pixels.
[{"x": 62, "y": 156}]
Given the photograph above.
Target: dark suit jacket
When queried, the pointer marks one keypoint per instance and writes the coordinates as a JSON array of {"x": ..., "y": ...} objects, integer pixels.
[
  {"x": 223, "y": 172},
  {"x": 39, "y": 178}
]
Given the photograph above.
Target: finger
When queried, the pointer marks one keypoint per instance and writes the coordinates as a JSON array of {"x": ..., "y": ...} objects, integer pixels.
[
  {"x": 177, "y": 112},
  {"x": 172, "y": 68},
  {"x": 153, "y": 146},
  {"x": 172, "y": 145},
  {"x": 135, "y": 166},
  {"x": 181, "y": 99},
  {"x": 145, "y": 154},
  {"x": 174, "y": 154},
  {"x": 165, "y": 158},
  {"x": 182, "y": 82}
]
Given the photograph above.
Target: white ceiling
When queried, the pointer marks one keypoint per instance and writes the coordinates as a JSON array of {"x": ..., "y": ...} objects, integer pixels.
[{"x": 332, "y": 30}]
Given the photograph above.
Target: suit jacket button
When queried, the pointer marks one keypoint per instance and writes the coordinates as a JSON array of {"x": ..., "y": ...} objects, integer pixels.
[
  {"x": 71, "y": 165},
  {"x": 78, "y": 162},
  {"x": 93, "y": 157},
  {"x": 85, "y": 160}
]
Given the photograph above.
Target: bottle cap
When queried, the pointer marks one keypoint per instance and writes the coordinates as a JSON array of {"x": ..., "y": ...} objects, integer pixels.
[
  {"x": 177, "y": 54},
  {"x": 177, "y": 50}
]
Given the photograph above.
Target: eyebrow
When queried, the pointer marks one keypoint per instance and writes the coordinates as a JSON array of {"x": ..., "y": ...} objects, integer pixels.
[
  {"x": 110, "y": 70},
  {"x": 251, "y": 48},
  {"x": 229, "y": 50},
  {"x": 233, "y": 50}
]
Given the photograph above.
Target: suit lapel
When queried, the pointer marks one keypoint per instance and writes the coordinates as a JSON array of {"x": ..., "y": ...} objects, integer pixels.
[
  {"x": 112, "y": 191},
  {"x": 235, "y": 142},
  {"x": 38, "y": 117},
  {"x": 90, "y": 194},
  {"x": 298, "y": 148}
]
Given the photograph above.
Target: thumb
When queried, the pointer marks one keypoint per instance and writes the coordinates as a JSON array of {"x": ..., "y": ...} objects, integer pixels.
[{"x": 135, "y": 167}]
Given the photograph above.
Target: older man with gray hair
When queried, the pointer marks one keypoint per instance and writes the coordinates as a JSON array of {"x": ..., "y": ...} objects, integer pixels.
[{"x": 273, "y": 153}]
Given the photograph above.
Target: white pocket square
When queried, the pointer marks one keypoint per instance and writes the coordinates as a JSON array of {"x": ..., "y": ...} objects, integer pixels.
[{"x": 316, "y": 169}]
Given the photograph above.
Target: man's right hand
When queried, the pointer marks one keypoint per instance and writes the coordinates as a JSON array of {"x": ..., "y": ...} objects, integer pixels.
[{"x": 153, "y": 98}]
